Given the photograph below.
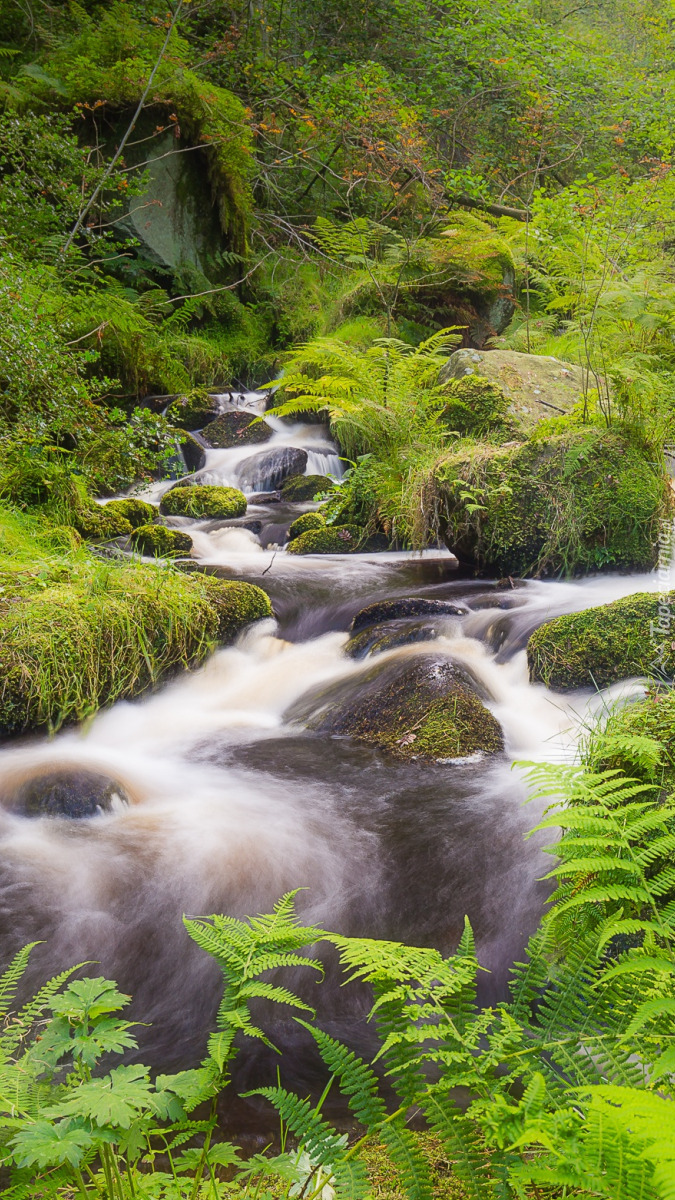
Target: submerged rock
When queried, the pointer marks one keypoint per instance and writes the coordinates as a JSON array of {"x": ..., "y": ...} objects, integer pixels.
[
  {"x": 298, "y": 488},
  {"x": 632, "y": 636},
  {"x": 266, "y": 471},
  {"x": 330, "y": 539},
  {"x": 235, "y": 429},
  {"x": 387, "y": 636},
  {"x": 136, "y": 512},
  {"x": 66, "y": 792},
  {"x": 424, "y": 708},
  {"x": 157, "y": 541},
  {"x": 389, "y": 610},
  {"x": 305, "y": 522},
  {"x": 193, "y": 453},
  {"x": 203, "y": 501}
]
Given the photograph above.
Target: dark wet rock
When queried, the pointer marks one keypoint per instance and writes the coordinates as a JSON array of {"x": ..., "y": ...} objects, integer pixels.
[
  {"x": 194, "y": 454},
  {"x": 265, "y": 498},
  {"x": 425, "y": 708},
  {"x": 298, "y": 488},
  {"x": 390, "y": 610},
  {"x": 66, "y": 793},
  {"x": 375, "y": 639},
  {"x": 266, "y": 471},
  {"x": 157, "y": 541},
  {"x": 235, "y": 429}
]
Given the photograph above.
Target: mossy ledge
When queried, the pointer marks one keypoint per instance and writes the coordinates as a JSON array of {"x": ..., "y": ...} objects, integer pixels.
[
  {"x": 206, "y": 501},
  {"x": 78, "y": 633},
  {"x": 595, "y": 648}
]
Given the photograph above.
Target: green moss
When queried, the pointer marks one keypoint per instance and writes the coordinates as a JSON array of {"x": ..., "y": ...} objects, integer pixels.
[
  {"x": 580, "y": 501},
  {"x": 639, "y": 740},
  {"x": 305, "y": 522},
  {"x": 386, "y": 1182},
  {"x": 477, "y": 407},
  {"x": 192, "y": 411},
  {"x": 237, "y": 604},
  {"x": 136, "y": 512},
  {"x": 298, "y": 488},
  {"x": 601, "y": 645},
  {"x": 223, "y": 502},
  {"x": 157, "y": 541},
  {"x": 331, "y": 539},
  {"x": 235, "y": 429},
  {"x": 98, "y": 524}
]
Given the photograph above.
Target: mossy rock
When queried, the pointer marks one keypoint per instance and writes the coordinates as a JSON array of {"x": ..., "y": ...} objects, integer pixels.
[
  {"x": 193, "y": 410},
  {"x": 157, "y": 541},
  {"x": 298, "y": 488},
  {"x": 424, "y": 709},
  {"x": 203, "y": 501},
  {"x": 305, "y": 522},
  {"x": 100, "y": 524},
  {"x": 535, "y": 386},
  {"x": 136, "y": 512},
  {"x": 477, "y": 407},
  {"x": 632, "y": 636},
  {"x": 565, "y": 504},
  {"x": 331, "y": 539},
  {"x": 237, "y": 604},
  {"x": 235, "y": 429}
]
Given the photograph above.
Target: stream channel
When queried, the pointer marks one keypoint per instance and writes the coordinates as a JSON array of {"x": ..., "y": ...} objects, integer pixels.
[{"x": 233, "y": 803}]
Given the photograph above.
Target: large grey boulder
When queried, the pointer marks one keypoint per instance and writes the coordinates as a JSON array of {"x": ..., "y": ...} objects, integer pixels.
[{"x": 536, "y": 385}]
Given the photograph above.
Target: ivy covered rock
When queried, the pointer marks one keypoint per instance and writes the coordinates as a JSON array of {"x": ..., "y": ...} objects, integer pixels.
[
  {"x": 331, "y": 539},
  {"x": 203, "y": 501},
  {"x": 305, "y": 522},
  {"x": 156, "y": 541},
  {"x": 237, "y": 604},
  {"x": 581, "y": 500},
  {"x": 136, "y": 512},
  {"x": 298, "y": 488},
  {"x": 425, "y": 709},
  {"x": 597, "y": 647},
  {"x": 193, "y": 410},
  {"x": 235, "y": 429}
]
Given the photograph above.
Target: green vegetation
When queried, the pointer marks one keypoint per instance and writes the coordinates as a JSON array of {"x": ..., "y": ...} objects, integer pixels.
[
  {"x": 600, "y": 645},
  {"x": 205, "y": 501},
  {"x": 328, "y": 539},
  {"x": 157, "y": 541},
  {"x": 136, "y": 512},
  {"x": 305, "y": 522}
]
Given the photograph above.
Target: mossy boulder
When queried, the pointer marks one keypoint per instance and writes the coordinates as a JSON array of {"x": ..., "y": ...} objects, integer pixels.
[
  {"x": 203, "y": 501},
  {"x": 299, "y": 488},
  {"x": 194, "y": 410},
  {"x": 331, "y": 539},
  {"x": 576, "y": 501},
  {"x": 237, "y": 604},
  {"x": 632, "y": 636},
  {"x": 136, "y": 512},
  {"x": 477, "y": 407},
  {"x": 425, "y": 709},
  {"x": 534, "y": 386},
  {"x": 305, "y": 522},
  {"x": 157, "y": 541},
  {"x": 98, "y": 524},
  {"x": 235, "y": 429}
]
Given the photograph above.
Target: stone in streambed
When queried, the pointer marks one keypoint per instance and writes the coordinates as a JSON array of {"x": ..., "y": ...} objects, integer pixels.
[
  {"x": 193, "y": 410},
  {"x": 305, "y": 522},
  {"x": 237, "y": 604},
  {"x": 391, "y": 610},
  {"x": 136, "y": 512},
  {"x": 331, "y": 539},
  {"x": 203, "y": 501},
  {"x": 298, "y": 488},
  {"x": 194, "y": 454},
  {"x": 157, "y": 541},
  {"x": 426, "y": 708},
  {"x": 632, "y": 636},
  {"x": 376, "y": 639},
  {"x": 66, "y": 792},
  {"x": 235, "y": 429},
  {"x": 266, "y": 471}
]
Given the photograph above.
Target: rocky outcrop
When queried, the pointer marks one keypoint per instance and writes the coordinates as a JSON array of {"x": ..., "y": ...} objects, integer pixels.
[{"x": 425, "y": 708}]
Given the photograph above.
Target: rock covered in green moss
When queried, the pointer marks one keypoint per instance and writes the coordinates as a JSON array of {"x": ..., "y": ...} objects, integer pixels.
[
  {"x": 305, "y": 522},
  {"x": 535, "y": 386},
  {"x": 194, "y": 410},
  {"x": 235, "y": 429},
  {"x": 136, "y": 512},
  {"x": 425, "y": 708},
  {"x": 597, "y": 647},
  {"x": 580, "y": 500},
  {"x": 477, "y": 407},
  {"x": 157, "y": 541},
  {"x": 237, "y": 604},
  {"x": 331, "y": 539},
  {"x": 204, "y": 501},
  {"x": 99, "y": 524},
  {"x": 298, "y": 488}
]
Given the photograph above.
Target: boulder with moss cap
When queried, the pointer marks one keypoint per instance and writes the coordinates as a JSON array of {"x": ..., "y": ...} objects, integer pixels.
[
  {"x": 330, "y": 539},
  {"x": 194, "y": 410},
  {"x": 136, "y": 512},
  {"x": 237, "y": 604},
  {"x": 157, "y": 541},
  {"x": 204, "y": 501},
  {"x": 305, "y": 522},
  {"x": 298, "y": 488}
]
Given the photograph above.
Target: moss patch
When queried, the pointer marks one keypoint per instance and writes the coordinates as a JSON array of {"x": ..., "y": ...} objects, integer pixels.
[
  {"x": 223, "y": 502},
  {"x": 601, "y": 645},
  {"x": 477, "y": 407},
  {"x": 639, "y": 740},
  {"x": 97, "y": 524},
  {"x": 331, "y": 539},
  {"x": 297, "y": 488},
  {"x": 192, "y": 411},
  {"x": 305, "y": 522},
  {"x": 136, "y": 512},
  {"x": 157, "y": 541},
  {"x": 237, "y": 604},
  {"x": 578, "y": 501}
]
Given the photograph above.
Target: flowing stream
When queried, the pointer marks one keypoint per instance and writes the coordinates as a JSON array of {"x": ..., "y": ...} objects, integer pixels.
[{"x": 231, "y": 804}]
